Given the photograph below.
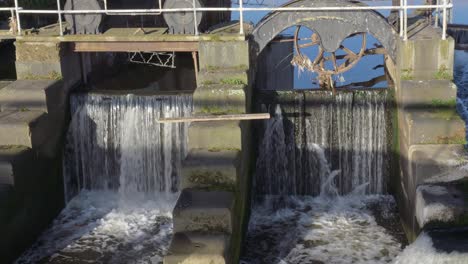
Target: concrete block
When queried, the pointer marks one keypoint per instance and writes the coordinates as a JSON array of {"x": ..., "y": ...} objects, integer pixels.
[
  {"x": 222, "y": 76},
  {"x": 432, "y": 127},
  {"x": 38, "y": 70},
  {"x": 202, "y": 211},
  {"x": 196, "y": 248},
  {"x": 212, "y": 170},
  {"x": 220, "y": 99},
  {"x": 440, "y": 205},
  {"x": 6, "y": 173},
  {"x": 224, "y": 54},
  {"x": 448, "y": 246},
  {"x": 24, "y": 128},
  {"x": 215, "y": 135},
  {"x": 424, "y": 94},
  {"x": 15, "y": 165},
  {"x": 416, "y": 64},
  {"x": 437, "y": 163},
  {"x": 39, "y": 95},
  {"x": 38, "y": 51}
]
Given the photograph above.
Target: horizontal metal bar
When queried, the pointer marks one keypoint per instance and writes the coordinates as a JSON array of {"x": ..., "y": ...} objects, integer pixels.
[
  {"x": 214, "y": 118},
  {"x": 250, "y": 9},
  {"x": 8, "y": 8},
  {"x": 134, "y": 46}
]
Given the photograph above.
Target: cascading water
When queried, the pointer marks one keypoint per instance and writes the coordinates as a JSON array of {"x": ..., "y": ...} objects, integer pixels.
[
  {"x": 349, "y": 130},
  {"x": 121, "y": 171},
  {"x": 320, "y": 181}
]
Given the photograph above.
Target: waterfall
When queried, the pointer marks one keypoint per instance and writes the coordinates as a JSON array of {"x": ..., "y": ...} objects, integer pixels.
[
  {"x": 115, "y": 143},
  {"x": 316, "y": 137}
]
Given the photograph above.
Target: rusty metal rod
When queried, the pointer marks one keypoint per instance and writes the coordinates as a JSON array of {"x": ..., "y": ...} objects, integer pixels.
[{"x": 206, "y": 118}]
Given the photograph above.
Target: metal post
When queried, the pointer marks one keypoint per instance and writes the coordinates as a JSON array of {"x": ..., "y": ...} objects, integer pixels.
[
  {"x": 195, "y": 18},
  {"x": 241, "y": 17},
  {"x": 405, "y": 11},
  {"x": 436, "y": 22},
  {"x": 401, "y": 18},
  {"x": 59, "y": 10},
  {"x": 444, "y": 23},
  {"x": 195, "y": 64},
  {"x": 17, "y": 17}
]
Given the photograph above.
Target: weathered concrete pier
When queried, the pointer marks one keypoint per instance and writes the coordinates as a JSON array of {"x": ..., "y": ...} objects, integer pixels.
[{"x": 221, "y": 70}]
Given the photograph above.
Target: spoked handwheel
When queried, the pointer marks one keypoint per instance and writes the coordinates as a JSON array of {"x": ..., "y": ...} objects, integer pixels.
[{"x": 339, "y": 62}]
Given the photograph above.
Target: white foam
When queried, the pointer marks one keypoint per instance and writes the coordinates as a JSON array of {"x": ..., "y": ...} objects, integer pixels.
[
  {"x": 422, "y": 251},
  {"x": 330, "y": 230},
  {"x": 99, "y": 226}
]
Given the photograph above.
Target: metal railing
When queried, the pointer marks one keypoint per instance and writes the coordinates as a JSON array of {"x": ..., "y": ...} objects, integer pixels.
[{"x": 403, "y": 8}]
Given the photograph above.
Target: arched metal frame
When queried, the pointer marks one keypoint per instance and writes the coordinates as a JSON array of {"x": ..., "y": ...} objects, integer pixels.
[{"x": 333, "y": 27}]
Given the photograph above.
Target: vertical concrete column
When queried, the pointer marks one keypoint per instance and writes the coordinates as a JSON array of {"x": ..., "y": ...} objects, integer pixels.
[
  {"x": 215, "y": 173},
  {"x": 431, "y": 134}
]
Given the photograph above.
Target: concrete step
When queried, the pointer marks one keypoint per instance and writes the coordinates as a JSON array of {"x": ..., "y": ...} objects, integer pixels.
[
  {"x": 23, "y": 128},
  {"x": 437, "y": 163},
  {"x": 442, "y": 205},
  {"x": 210, "y": 169},
  {"x": 33, "y": 95},
  {"x": 219, "y": 99},
  {"x": 204, "y": 211},
  {"x": 438, "y": 126},
  {"x": 197, "y": 248},
  {"x": 426, "y": 94},
  {"x": 15, "y": 165},
  {"x": 215, "y": 135},
  {"x": 448, "y": 246},
  {"x": 222, "y": 76}
]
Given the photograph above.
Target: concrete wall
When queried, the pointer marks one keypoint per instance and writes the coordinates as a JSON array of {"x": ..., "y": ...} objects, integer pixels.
[
  {"x": 431, "y": 135},
  {"x": 216, "y": 172},
  {"x": 33, "y": 120}
]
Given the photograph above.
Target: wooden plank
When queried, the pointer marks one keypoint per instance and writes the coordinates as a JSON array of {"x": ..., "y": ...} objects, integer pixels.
[
  {"x": 129, "y": 46},
  {"x": 206, "y": 118}
]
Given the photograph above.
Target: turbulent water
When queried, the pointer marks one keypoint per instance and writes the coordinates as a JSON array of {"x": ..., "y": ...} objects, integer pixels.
[
  {"x": 121, "y": 172},
  {"x": 340, "y": 229},
  {"x": 348, "y": 130},
  {"x": 334, "y": 153}
]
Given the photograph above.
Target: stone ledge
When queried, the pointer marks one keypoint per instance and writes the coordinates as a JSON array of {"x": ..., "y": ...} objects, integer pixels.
[
  {"x": 201, "y": 211},
  {"x": 437, "y": 163},
  {"x": 197, "y": 248},
  {"x": 15, "y": 165},
  {"x": 23, "y": 128},
  {"x": 441, "y": 205},
  {"x": 224, "y": 54},
  {"x": 432, "y": 127},
  {"x": 211, "y": 170},
  {"x": 38, "y": 95},
  {"x": 222, "y": 76},
  {"x": 215, "y": 135},
  {"x": 220, "y": 99},
  {"x": 424, "y": 94}
]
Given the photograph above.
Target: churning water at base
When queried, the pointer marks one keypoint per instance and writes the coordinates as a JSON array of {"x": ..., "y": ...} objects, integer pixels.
[
  {"x": 343, "y": 229},
  {"x": 121, "y": 172},
  {"x": 336, "y": 148}
]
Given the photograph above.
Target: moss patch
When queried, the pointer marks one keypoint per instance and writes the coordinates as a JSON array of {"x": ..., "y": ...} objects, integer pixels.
[
  {"x": 232, "y": 81},
  {"x": 407, "y": 74},
  {"x": 216, "y": 110},
  {"x": 53, "y": 75},
  {"x": 443, "y": 73},
  {"x": 212, "y": 180}
]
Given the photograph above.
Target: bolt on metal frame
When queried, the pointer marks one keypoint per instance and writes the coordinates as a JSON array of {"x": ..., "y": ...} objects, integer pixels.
[{"x": 403, "y": 8}]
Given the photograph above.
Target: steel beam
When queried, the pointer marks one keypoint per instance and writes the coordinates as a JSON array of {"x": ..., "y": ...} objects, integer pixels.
[{"x": 131, "y": 46}]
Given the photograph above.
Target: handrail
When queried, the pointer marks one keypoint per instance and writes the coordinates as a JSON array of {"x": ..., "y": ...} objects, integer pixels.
[{"x": 402, "y": 8}]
